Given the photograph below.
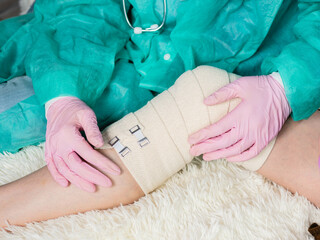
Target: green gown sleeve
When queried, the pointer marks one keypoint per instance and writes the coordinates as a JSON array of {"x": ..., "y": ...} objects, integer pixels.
[
  {"x": 9, "y": 26},
  {"x": 75, "y": 47},
  {"x": 14, "y": 46},
  {"x": 299, "y": 62}
]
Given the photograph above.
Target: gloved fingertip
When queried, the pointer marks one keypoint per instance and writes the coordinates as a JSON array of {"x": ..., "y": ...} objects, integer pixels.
[
  {"x": 210, "y": 100},
  {"x": 117, "y": 171},
  {"x": 107, "y": 183},
  {"x": 63, "y": 182},
  {"x": 191, "y": 151},
  {"x": 192, "y": 140},
  {"x": 90, "y": 188},
  {"x": 99, "y": 143},
  {"x": 114, "y": 170},
  {"x": 96, "y": 141}
]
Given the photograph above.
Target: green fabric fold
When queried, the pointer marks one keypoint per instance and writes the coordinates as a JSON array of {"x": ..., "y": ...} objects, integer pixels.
[
  {"x": 85, "y": 48},
  {"x": 298, "y": 62}
]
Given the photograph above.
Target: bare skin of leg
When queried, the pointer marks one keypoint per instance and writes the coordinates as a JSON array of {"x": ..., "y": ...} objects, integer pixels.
[
  {"x": 293, "y": 163},
  {"x": 38, "y": 197}
]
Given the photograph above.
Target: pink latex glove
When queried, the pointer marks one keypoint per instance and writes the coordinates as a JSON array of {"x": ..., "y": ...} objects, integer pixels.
[
  {"x": 68, "y": 154},
  {"x": 247, "y": 129}
]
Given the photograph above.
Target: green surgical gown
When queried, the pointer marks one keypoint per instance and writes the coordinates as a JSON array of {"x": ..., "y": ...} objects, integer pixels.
[{"x": 85, "y": 48}]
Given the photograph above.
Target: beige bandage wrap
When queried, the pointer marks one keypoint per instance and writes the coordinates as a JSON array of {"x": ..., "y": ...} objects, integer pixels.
[{"x": 160, "y": 148}]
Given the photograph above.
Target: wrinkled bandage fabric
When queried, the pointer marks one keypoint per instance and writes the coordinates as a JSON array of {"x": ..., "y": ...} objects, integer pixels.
[{"x": 152, "y": 142}]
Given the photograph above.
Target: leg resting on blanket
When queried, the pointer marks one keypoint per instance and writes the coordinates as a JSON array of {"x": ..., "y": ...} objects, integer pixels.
[
  {"x": 38, "y": 197},
  {"x": 293, "y": 163},
  {"x": 153, "y": 146}
]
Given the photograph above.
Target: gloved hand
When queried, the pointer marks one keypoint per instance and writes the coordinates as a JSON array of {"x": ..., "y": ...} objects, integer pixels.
[
  {"x": 247, "y": 129},
  {"x": 67, "y": 153}
]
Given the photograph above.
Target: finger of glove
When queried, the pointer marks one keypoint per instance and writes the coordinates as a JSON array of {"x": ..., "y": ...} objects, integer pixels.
[
  {"x": 52, "y": 168},
  {"x": 214, "y": 130},
  {"x": 222, "y": 95},
  {"x": 213, "y": 144},
  {"x": 87, "y": 172},
  {"x": 61, "y": 180},
  {"x": 231, "y": 151},
  {"x": 244, "y": 156},
  {"x": 72, "y": 177},
  {"x": 89, "y": 124},
  {"x": 84, "y": 150}
]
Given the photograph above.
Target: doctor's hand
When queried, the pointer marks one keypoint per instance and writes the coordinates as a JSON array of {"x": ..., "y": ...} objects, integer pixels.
[
  {"x": 246, "y": 130},
  {"x": 68, "y": 155}
]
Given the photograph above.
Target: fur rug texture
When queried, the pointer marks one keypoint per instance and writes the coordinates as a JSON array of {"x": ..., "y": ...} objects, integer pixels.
[{"x": 215, "y": 200}]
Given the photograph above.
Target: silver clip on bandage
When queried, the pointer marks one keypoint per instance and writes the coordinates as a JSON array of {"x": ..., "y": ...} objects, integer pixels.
[
  {"x": 116, "y": 144},
  {"x": 142, "y": 140}
]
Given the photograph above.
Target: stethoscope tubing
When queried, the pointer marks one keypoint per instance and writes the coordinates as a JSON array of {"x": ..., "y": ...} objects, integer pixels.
[{"x": 150, "y": 29}]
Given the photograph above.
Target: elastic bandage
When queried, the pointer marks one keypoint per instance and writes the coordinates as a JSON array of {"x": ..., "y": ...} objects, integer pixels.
[{"x": 152, "y": 142}]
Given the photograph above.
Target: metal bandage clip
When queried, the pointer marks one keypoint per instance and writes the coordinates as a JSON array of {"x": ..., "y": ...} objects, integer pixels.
[
  {"x": 116, "y": 144},
  {"x": 142, "y": 140}
]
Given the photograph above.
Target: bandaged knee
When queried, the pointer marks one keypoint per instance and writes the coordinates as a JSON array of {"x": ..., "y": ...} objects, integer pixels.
[{"x": 152, "y": 142}]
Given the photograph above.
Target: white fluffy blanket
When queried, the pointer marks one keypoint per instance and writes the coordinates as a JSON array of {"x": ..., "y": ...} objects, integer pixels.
[{"x": 215, "y": 200}]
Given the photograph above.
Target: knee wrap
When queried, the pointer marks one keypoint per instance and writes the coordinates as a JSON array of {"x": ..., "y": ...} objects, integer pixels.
[{"x": 152, "y": 142}]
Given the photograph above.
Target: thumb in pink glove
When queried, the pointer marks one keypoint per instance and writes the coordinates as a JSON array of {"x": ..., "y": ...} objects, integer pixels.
[
  {"x": 246, "y": 130},
  {"x": 68, "y": 154}
]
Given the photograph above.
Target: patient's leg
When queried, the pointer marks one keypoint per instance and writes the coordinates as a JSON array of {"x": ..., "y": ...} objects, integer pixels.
[
  {"x": 152, "y": 145},
  {"x": 38, "y": 197},
  {"x": 292, "y": 164}
]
